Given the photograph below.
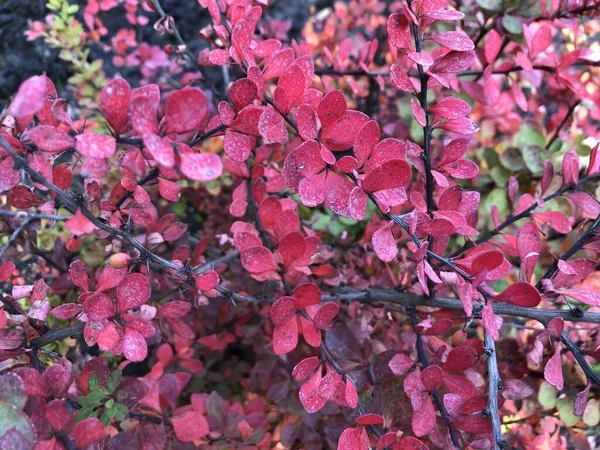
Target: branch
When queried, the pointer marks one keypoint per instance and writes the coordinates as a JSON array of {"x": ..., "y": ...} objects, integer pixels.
[
  {"x": 13, "y": 236},
  {"x": 578, "y": 245},
  {"x": 562, "y": 124},
  {"x": 525, "y": 213},
  {"x": 493, "y": 386},
  {"x": 435, "y": 394}
]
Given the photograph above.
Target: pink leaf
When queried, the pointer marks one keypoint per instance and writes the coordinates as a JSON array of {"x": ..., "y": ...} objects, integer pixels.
[
  {"x": 353, "y": 439},
  {"x": 454, "y": 40},
  {"x": 384, "y": 244},
  {"x": 488, "y": 318},
  {"x": 325, "y": 315},
  {"x": 309, "y": 396},
  {"x": 134, "y": 345},
  {"x": 305, "y": 367},
  {"x": 516, "y": 389},
  {"x": 78, "y": 224},
  {"x": 257, "y": 259},
  {"x": 423, "y": 418},
  {"x": 553, "y": 370},
  {"x": 272, "y": 127},
  {"x": 30, "y": 98},
  {"x": 96, "y": 145},
  {"x": 50, "y": 139},
  {"x": 282, "y": 310},
  {"x": 201, "y": 166},
  {"x": 400, "y": 364}
]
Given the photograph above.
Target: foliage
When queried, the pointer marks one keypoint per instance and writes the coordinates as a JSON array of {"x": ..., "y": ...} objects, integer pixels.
[{"x": 382, "y": 235}]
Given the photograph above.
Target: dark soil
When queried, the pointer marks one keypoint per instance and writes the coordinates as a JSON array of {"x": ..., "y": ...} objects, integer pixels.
[{"x": 21, "y": 59}]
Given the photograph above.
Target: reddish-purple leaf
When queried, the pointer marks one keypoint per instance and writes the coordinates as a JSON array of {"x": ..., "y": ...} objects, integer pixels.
[
  {"x": 272, "y": 127},
  {"x": 432, "y": 376},
  {"x": 460, "y": 359},
  {"x": 190, "y": 426},
  {"x": 87, "y": 432},
  {"x": 553, "y": 370},
  {"x": 96, "y": 145},
  {"x": 133, "y": 292},
  {"x": 588, "y": 297},
  {"x": 516, "y": 389},
  {"x": 400, "y": 364},
  {"x": 488, "y": 318},
  {"x": 475, "y": 424},
  {"x": 520, "y": 294}
]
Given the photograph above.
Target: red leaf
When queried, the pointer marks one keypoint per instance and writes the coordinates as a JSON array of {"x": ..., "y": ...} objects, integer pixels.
[
  {"x": 400, "y": 364},
  {"x": 285, "y": 337},
  {"x": 475, "y": 424},
  {"x": 176, "y": 308},
  {"x": 325, "y": 315},
  {"x": 133, "y": 292},
  {"x": 201, "y": 166},
  {"x": 520, "y": 294},
  {"x": 309, "y": 395},
  {"x": 460, "y": 359},
  {"x": 492, "y": 45},
  {"x": 305, "y": 367},
  {"x": 487, "y": 261},
  {"x": 96, "y": 145},
  {"x": 190, "y": 426},
  {"x": 9, "y": 177},
  {"x": 432, "y": 376},
  {"x": 330, "y": 384},
  {"x": 50, "y": 139},
  {"x": 353, "y": 439},
  {"x": 67, "y": 311},
  {"x": 134, "y": 345},
  {"x": 350, "y": 394},
  {"x": 340, "y": 133},
  {"x": 306, "y": 121},
  {"x": 6, "y": 270},
  {"x": 238, "y": 146},
  {"x": 421, "y": 58},
  {"x": 516, "y": 389},
  {"x": 528, "y": 239},
  {"x": 78, "y": 224},
  {"x": 400, "y": 78},
  {"x": 114, "y": 103},
  {"x": 242, "y": 93},
  {"x": 87, "y": 432},
  {"x": 169, "y": 190},
  {"x": 257, "y": 259},
  {"x": 555, "y": 327},
  {"x": 160, "y": 149},
  {"x": 461, "y": 126},
  {"x": 411, "y": 443},
  {"x": 282, "y": 310},
  {"x": 99, "y": 306},
  {"x": 369, "y": 419},
  {"x": 207, "y": 280},
  {"x": 451, "y": 108},
  {"x": 306, "y": 295},
  {"x": 30, "y": 98},
  {"x": 186, "y": 110},
  {"x": 272, "y": 127}
]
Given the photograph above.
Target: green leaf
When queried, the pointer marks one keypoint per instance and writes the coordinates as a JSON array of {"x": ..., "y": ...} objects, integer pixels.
[
  {"x": 491, "y": 5},
  {"x": 92, "y": 400},
  {"x": 529, "y": 135},
  {"x": 547, "y": 395},
  {"x": 11, "y": 418},
  {"x": 535, "y": 157},
  {"x": 591, "y": 414},
  {"x": 110, "y": 403},
  {"x": 512, "y": 159},
  {"x": 114, "y": 381},
  {"x": 121, "y": 411},
  {"x": 512, "y": 24},
  {"x": 566, "y": 411},
  {"x": 93, "y": 381}
]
